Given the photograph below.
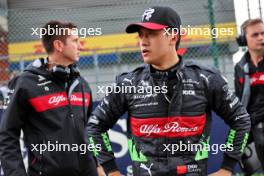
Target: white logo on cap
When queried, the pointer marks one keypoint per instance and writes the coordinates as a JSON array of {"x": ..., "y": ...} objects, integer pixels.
[{"x": 148, "y": 14}]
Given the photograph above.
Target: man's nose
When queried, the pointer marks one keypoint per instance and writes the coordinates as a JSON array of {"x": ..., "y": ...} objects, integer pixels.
[
  {"x": 80, "y": 47},
  {"x": 261, "y": 36},
  {"x": 144, "y": 40}
]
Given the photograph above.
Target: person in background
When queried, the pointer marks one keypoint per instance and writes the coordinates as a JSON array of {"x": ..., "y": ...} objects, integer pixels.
[
  {"x": 50, "y": 103},
  {"x": 249, "y": 80}
]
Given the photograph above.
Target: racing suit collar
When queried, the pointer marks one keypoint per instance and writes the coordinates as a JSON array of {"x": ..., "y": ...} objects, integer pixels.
[{"x": 169, "y": 73}]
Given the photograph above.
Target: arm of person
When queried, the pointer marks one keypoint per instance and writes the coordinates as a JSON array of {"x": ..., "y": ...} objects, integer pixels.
[
  {"x": 11, "y": 124},
  {"x": 115, "y": 173},
  {"x": 237, "y": 84},
  {"x": 228, "y": 107},
  {"x": 221, "y": 172},
  {"x": 102, "y": 119}
]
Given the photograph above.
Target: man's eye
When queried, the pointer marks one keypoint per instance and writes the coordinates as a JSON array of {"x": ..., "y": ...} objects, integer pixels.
[
  {"x": 255, "y": 35},
  {"x": 152, "y": 33}
]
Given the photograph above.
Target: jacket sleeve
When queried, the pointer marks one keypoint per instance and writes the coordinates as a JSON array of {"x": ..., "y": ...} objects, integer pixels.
[
  {"x": 11, "y": 125},
  {"x": 238, "y": 85},
  {"x": 102, "y": 119},
  {"x": 87, "y": 90},
  {"x": 229, "y": 108},
  {"x": 90, "y": 108}
]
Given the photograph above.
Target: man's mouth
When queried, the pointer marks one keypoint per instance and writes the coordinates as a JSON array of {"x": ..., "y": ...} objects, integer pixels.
[{"x": 145, "y": 52}]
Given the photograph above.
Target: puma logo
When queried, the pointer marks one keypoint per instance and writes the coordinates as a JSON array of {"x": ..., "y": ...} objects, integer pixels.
[
  {"x": 204, "y": 77},
  {"x": 143, "y": 166},
  {"x": 41, "y": 78},
  {"x": 128, "y": 80}
]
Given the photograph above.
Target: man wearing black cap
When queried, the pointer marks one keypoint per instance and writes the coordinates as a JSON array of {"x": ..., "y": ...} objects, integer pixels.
[{"x": 162, "y": 121}]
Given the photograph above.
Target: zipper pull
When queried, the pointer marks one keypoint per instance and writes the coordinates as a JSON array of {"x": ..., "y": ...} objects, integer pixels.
[
  {"x": 72, "y": 117},
  {"x": 164, "y": 94}
]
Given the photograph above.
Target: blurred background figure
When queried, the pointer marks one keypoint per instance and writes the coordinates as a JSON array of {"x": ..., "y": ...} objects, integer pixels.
[{"x": 249, "y": 87}]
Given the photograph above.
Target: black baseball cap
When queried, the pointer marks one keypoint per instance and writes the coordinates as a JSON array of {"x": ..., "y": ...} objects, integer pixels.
[{"x": 156, "y": 18}]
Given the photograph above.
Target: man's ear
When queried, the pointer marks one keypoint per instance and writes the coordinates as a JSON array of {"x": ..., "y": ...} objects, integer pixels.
[
  {"x": 174, "y": 38},
  {"x": 58, "y": 45}
]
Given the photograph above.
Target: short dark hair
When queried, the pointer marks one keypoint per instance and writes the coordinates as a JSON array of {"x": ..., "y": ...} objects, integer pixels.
[
  {"x": 48, "y": 38},
  {"x": 250, "y": 22}
]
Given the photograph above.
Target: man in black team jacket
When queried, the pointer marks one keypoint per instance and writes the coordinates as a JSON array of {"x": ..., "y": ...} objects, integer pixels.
[
  {"x": 176, "y": 112},
  {"x": 51, "y": 103},
  {"x": 249, "y": 80}
]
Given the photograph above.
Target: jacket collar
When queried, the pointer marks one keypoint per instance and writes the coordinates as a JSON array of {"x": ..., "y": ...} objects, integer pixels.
[
  {"x": 169, "y": 73},
  {"x": 244, "y": 60}
]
